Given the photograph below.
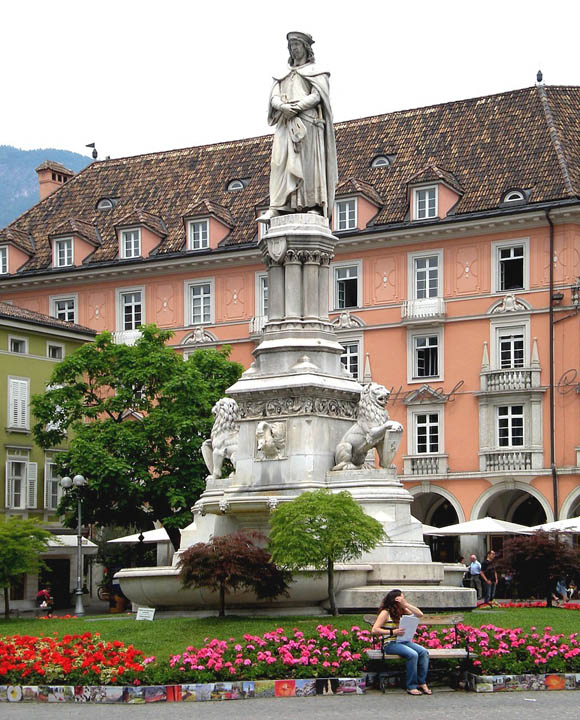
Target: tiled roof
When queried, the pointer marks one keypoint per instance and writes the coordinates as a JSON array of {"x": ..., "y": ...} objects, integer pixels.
[
  {"x": 76, "y": 226},
  {"x": 207, "y": 207},
  {"x": 354, "y": 185},
  {"x": 13, "y": 312},
  {"x": 432, "y": 173},
  {"x": 526, "y": 138},
  {"x": 138, "y": 216},
  {"x": 18, "y": 238}
]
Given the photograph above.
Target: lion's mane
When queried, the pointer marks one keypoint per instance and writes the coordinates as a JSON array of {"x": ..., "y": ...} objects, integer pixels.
[
  {"x": 371, "y": 412},
  {"x": 227, "y": 418}
]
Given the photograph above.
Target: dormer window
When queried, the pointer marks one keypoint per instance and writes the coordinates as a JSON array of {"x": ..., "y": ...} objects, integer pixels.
[
  {"x": 3, "y": 260},
  {"x": 345, "y": 214},
  {"x": 198, "y": 234},
  {"x": 63, "y": 252},
  {"x": 131, "y": 243},
  {"x": 380, "y": 161},
  {"x": 513, "y": 196},
  {"x": 425, "y": 203},
  {"x": 235, "y": 185},
  {"x": 105, "y": 204}
]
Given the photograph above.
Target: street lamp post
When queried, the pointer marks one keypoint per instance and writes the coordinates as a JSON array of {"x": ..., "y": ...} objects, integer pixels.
[{"x": 78, "y": 481}]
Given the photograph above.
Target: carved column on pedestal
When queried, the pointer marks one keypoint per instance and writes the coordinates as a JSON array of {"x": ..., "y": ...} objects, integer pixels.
[
  {"x": 293, "y": 285},
  {"x": 323, "y": 285},
  {"x": 311, "y": 301},
  {"x": 276, "y": 287}
]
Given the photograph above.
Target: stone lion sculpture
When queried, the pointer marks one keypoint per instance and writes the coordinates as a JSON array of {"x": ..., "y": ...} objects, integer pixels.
[
  {"x": 373, "y": 429},
  {"x": 223, "y": 443}
]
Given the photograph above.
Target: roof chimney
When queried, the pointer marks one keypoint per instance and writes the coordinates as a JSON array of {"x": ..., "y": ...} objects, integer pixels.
[{"x": 51, "y": 175}]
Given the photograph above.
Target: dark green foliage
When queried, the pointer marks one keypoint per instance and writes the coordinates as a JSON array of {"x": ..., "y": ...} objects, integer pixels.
[
  {"x": 21, "y": 542},
  {"x": 18, "y": 179},
  {"x": 138, "y": 416},
  {"x": 230, "y": 562},
  {"x": 537, "y": 561},
  {"x": 319, "y": 529}
]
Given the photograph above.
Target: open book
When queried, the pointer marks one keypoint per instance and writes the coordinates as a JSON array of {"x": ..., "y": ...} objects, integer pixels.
[{"x": 408, "y": 623}]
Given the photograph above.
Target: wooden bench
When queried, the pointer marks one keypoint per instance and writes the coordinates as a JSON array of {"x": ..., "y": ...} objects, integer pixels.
[{"x": 455, "y": 653}]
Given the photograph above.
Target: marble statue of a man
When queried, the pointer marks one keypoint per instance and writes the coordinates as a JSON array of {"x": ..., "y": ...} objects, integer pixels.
[{"x": 304, "y": 171}]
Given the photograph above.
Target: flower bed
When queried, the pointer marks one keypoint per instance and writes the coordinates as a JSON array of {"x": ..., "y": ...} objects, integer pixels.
[
  {"x": 537, "y": 604},
  {"x": 329, "y": 654}
]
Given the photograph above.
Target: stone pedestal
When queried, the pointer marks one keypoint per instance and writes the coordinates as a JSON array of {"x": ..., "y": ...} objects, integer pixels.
[{"x": 295, "y": 404}]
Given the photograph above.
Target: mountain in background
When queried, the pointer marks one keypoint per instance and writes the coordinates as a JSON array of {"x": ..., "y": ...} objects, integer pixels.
[{"x": 19, "y": 182}]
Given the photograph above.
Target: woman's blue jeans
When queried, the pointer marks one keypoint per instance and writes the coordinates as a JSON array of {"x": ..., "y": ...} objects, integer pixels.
[{"x": 417, "y": 658}]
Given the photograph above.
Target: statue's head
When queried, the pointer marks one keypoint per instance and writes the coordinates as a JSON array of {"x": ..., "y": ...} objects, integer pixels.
[{"x": 298, "y": 40}]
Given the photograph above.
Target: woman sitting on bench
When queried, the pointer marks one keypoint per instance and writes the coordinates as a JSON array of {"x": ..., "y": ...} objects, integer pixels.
[{"x": 392, "y": 608}]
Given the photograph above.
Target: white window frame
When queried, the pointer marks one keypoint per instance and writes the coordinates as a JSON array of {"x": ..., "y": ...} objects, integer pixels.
[
  {"x": 57, "y": 243},
  {"x": 17, "y": 339},
  {"x": 128, "y": 243},
  {"x": 412, "y": 377},
  {"x": 3, "y": 259},
  {"x": 189, "y": 284},
  {"x": 29, "y": 487},
  {"x": 413, "y": 413},
  {"x": 203, "y": 242},
  {"x": 51, "y": 344},
  {"x": 513, "y": 196},
  {"x": 510, "y": 415},
  {"x": 416, "y": 199},
  {"x": 496, "y": 247},
  {"x": 352, "y": 342},
  {"x": 119, "y": 295},
  {"x": 261, "y": 307},
  {"x": 54, "y": 299},
  {"x": 350, "y": 221},
  {"x": 49, "y": 463},
  {"x": 334, "y": 268},
  {"x": 412, "y": 284},
  {"x": 18, "y": 418},
  {"x": 502, "y": 328}
]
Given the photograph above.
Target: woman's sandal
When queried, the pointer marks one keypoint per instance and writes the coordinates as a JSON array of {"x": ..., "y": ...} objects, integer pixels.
[
  {"x": 416, "y": 692},
  {"x": 425, "y": 691}
]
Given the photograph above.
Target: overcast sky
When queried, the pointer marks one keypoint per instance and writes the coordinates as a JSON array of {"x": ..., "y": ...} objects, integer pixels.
[{"x": 139, "y": 76}]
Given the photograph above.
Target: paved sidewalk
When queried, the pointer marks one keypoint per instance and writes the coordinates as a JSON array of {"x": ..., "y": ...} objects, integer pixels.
[{"x": 442, "y": 705}]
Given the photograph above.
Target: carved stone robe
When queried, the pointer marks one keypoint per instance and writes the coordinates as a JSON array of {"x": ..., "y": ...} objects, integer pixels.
[{"x": 304, "y": 170}]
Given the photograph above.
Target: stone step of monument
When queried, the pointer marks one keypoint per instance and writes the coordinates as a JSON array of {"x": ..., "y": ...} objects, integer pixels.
[
  {"x": 435, "y": 597},
  {"x": 406, "y": 573}
]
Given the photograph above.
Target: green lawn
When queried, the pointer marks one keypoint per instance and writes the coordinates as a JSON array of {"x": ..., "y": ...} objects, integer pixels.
[{"x": 164, "y": 637}]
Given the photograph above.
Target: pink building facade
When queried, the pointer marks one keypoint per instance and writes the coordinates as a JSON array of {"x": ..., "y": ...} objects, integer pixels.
[{"x": 455, "y": 281}]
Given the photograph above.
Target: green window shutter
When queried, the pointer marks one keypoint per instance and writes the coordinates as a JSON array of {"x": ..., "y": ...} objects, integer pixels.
[{"x": 18, "y": 403}]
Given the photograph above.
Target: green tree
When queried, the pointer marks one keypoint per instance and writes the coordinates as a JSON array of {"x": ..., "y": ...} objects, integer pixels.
[
  {"x": 319, "y": 529},
  {"x": 21, "y": 542},
  {"x": 138, "y": 416},
  {"x": 536, "y": 562},
  {"x": 229, "y": 562}
]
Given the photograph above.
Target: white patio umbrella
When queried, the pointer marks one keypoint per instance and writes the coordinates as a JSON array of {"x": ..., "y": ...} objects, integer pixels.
[
  {"x": 571, "y": 525},
  {"x": 483, "y": 526},
  {"x": 430, "y": 530},
  {"x": 149, "y": 536}
]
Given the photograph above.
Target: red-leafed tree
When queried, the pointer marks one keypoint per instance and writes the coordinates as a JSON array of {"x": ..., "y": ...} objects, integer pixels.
[
  {"x": 536, "y": 562},
  {"x": 229, "y": 562}
]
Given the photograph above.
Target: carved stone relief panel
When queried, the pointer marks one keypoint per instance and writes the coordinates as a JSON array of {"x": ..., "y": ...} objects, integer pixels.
[
  {"x": 270, "y": 440},
  {"x": 164, "y": 295},
  {"x": 467, "y": 268},
  {"x": 289, "y": 406},
  {"x": 233, "y": 292},
  {"x": 386, "y": 280},
  {"x": 98, "y": 311}
]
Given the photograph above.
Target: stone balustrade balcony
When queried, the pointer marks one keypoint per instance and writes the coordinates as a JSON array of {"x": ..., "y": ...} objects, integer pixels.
[
  {"x": 423, "y": 309},
  {"x": 256, "y": 325},
  {"x": 510, "y": 379},
  {"x": 507, "y": 460},
  {"x": 126, "y": 337},
  {"x": 425, "y": 464}
]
